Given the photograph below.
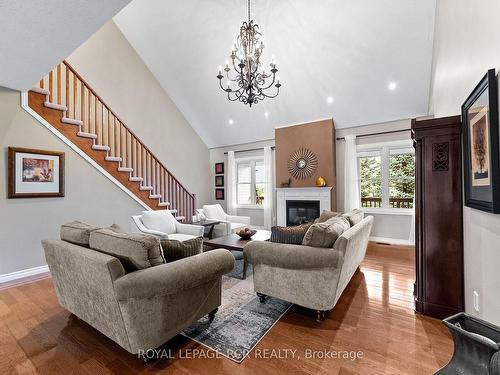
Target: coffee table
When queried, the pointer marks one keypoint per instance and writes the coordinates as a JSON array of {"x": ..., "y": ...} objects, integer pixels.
[
  {"x": 235, "y": 244},
  {"x": 207, "y": 224}
]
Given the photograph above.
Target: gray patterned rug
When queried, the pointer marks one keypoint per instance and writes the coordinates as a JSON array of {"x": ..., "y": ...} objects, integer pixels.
[{"x": 241, "y": 322}]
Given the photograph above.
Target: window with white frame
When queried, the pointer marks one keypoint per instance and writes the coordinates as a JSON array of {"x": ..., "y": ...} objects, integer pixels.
[
  {"x": 250, "y": 182},
  {"x": 387, "y": 177}
]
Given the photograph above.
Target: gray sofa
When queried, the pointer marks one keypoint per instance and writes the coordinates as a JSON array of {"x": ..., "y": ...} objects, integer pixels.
[
  {"x": 312, "y": 277},
  {"x": 141, "y": 309}
]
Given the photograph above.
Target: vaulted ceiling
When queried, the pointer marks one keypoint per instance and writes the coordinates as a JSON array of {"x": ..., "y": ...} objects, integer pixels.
[
  {"x": 350, "y": 51},
  {"x": 36, "y": 35}
]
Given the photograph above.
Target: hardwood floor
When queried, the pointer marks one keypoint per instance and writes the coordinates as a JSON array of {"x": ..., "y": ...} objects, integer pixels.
[{"x": 374, "y": 316}]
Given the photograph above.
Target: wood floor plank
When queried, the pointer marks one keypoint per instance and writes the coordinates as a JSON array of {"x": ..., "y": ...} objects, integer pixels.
[{"x": 373, "y": 316}]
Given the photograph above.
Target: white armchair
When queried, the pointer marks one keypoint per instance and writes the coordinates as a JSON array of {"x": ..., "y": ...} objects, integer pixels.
[
  {"x": 228, "y": 223},
  {"x": 162, "y": 224}
]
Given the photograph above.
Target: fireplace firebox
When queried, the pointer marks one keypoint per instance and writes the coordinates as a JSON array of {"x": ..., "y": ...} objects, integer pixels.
[{"x": 300, "y": 212}]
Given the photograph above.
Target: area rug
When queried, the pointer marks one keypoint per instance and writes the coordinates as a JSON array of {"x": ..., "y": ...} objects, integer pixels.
[{"x": 241, "y": 322}]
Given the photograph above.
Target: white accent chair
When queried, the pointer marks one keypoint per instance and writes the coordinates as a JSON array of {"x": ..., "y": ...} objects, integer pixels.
[
  {"x": 228, "y": 223},
  {"x": 162, "y": 224}
]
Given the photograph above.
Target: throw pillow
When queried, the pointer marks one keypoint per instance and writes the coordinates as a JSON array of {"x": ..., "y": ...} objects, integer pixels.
[
  {"x": 77, "y": 232},
  {"x": 326, "y": 215},
  {"x": 354, "y": 217},
  {"x": 290, "y": 235},
  {"x": 325, "y": 234},
  {"x": 159, "y": 220},
  {"x": 174, "y": 250},
  {"x": 135, "y": 251}
]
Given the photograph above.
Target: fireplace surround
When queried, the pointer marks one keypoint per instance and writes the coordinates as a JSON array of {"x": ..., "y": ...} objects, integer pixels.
[{"x": 308, "y": 194}]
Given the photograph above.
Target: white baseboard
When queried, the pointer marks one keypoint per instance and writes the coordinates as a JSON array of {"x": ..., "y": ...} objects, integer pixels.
[
  {"x": 392, "y": 241},
  {"x": 23, "y": 273}
]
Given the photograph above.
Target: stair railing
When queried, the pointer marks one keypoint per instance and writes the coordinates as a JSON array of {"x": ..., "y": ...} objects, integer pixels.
[{"x": 67, "y": 88}]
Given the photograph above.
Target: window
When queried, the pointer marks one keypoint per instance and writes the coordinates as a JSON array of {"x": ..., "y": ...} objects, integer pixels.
[
  {"x": 401, "y": 179},
  {"x": 387, "y": 177},
  {"x": 250, "y": 184}
]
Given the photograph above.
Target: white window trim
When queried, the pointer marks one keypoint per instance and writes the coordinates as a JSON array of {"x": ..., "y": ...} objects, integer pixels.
[
  {"x": 384, "y": 150},
  {"x": 252, "y": 161}
]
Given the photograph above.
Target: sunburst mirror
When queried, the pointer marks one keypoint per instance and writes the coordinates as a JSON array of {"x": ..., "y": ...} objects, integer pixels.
[{"x": 302, "y": 163}]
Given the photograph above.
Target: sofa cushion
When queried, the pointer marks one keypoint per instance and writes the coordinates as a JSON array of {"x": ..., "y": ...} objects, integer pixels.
[
  {"x": 135, "y": 251},
  {"x": 174, "y": 250},
  {"x": 214, "y": 211},
  {"x": 159, "y": 220},
  {"x": 180, "y": 236},
  {"x": 326, "y": 215},
  {"x": 325, "y": 234},
  {"x": 291, "y": 235},
  {"x": 77, "y": 232},
  {"x": 354, "y": 216}
]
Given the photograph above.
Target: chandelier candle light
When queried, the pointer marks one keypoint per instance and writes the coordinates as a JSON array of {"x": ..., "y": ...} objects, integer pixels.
[{"x": 251, "y": 83}]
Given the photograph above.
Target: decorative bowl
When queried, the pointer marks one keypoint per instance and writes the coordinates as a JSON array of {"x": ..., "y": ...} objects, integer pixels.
[{"x": 246, "y": 233}]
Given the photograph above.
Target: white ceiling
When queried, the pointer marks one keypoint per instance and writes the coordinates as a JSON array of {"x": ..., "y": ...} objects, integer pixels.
[
  {"x": 37, "y": 35},
  {"x": 349, "y": 50}
]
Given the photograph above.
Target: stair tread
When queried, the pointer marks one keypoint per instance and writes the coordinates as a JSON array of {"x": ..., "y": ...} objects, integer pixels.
[
  {"x": 86, "y": 135},
  {"x": 100, "y": 147},
  {"x": 59, "y": 107},
  {"x": 72, "y": 121},
  {"x": 40, "y": 90},
  {"x": 125, "y": 169}
]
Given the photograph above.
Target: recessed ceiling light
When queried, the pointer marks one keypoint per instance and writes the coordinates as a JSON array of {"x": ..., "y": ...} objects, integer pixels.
[
  {"x": 230, "y": 122},
  {"x": 329, "y": 100},
  {"x": 392, "y": 86},
  {"x": 266, "y": 114}
]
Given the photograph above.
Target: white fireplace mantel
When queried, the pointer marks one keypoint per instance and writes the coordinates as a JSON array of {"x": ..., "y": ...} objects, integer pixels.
[{"x": 321, "y": 194}]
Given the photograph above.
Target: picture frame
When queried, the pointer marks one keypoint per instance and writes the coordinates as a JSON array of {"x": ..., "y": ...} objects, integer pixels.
[
  {"x": 480, "y": 136},
  {"x": 35, "y": 173},
  {"x": 219, "y": 181},
  {"x": 219, "y": 168},
  {"x": 219, "y": 194}
]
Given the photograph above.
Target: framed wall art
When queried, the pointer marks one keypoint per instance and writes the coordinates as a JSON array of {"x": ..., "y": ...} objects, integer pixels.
[
  {"x": 35, "y": 173},
  {"x": 219, "y": 168},
  {"x": 219, "y": 194},
  {"x": 219, "y": 181},
  {"x": 481, "y": 146}
]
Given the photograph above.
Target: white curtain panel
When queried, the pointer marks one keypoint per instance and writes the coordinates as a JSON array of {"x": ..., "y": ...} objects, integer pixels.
[
  {"x": 351, "y": 179},
  {"x": 411, "y": 238},
  {"x": 269, "y": 189},
  {"x": 231, "y": 184}
]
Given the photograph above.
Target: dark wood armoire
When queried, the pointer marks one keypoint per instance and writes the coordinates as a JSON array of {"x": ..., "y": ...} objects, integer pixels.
[{"x": 439, "y": 284}]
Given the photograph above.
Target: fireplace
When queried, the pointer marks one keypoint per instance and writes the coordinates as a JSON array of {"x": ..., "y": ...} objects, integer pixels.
[
  {"x": 300, "y": 212},
  {"x": 303, "y": 195}
]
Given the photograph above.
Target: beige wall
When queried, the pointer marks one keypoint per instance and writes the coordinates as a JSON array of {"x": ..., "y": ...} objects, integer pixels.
[
  {"x": 90, "y": 196},
  {"x": 465, "y": 47},
  {"x": 113, "y": 69}
]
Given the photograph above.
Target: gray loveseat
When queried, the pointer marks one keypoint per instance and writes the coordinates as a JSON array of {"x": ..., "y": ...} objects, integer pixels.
[
  {"x": 312, "y": 277},
  {"x": 141, "y": 309}
]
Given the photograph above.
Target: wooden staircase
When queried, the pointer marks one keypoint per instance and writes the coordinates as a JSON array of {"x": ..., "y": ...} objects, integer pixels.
[{"x": 69, "y": 104}]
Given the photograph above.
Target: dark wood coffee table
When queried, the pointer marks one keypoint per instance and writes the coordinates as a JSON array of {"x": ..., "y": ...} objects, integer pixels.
[
  {"x": 210, "y": 224},
  {"x": 234, "y": 243}
]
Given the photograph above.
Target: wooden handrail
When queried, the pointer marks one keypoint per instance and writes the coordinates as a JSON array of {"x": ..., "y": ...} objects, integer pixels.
[
  {"x": 93, "y": 115},
  {"x": 65, "y": 62}
]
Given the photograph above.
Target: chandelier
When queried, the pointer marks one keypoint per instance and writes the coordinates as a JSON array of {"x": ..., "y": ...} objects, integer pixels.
[{"x": 250, "y": 84}]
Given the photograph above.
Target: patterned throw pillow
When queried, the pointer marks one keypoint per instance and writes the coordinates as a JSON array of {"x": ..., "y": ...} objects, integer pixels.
[
  {"x": 174, "y": 250},
  {"x": 290, "y": 235},
  {"x": 325, "y": 234},
  {"x": 354, "y": 217},
  {"x": 326, "y": 215}
]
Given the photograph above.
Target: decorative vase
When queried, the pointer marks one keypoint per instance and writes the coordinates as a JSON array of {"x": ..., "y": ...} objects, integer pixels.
[
  {"x": 320, "y": 182},
  {"x": 477, "y": 345}
]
